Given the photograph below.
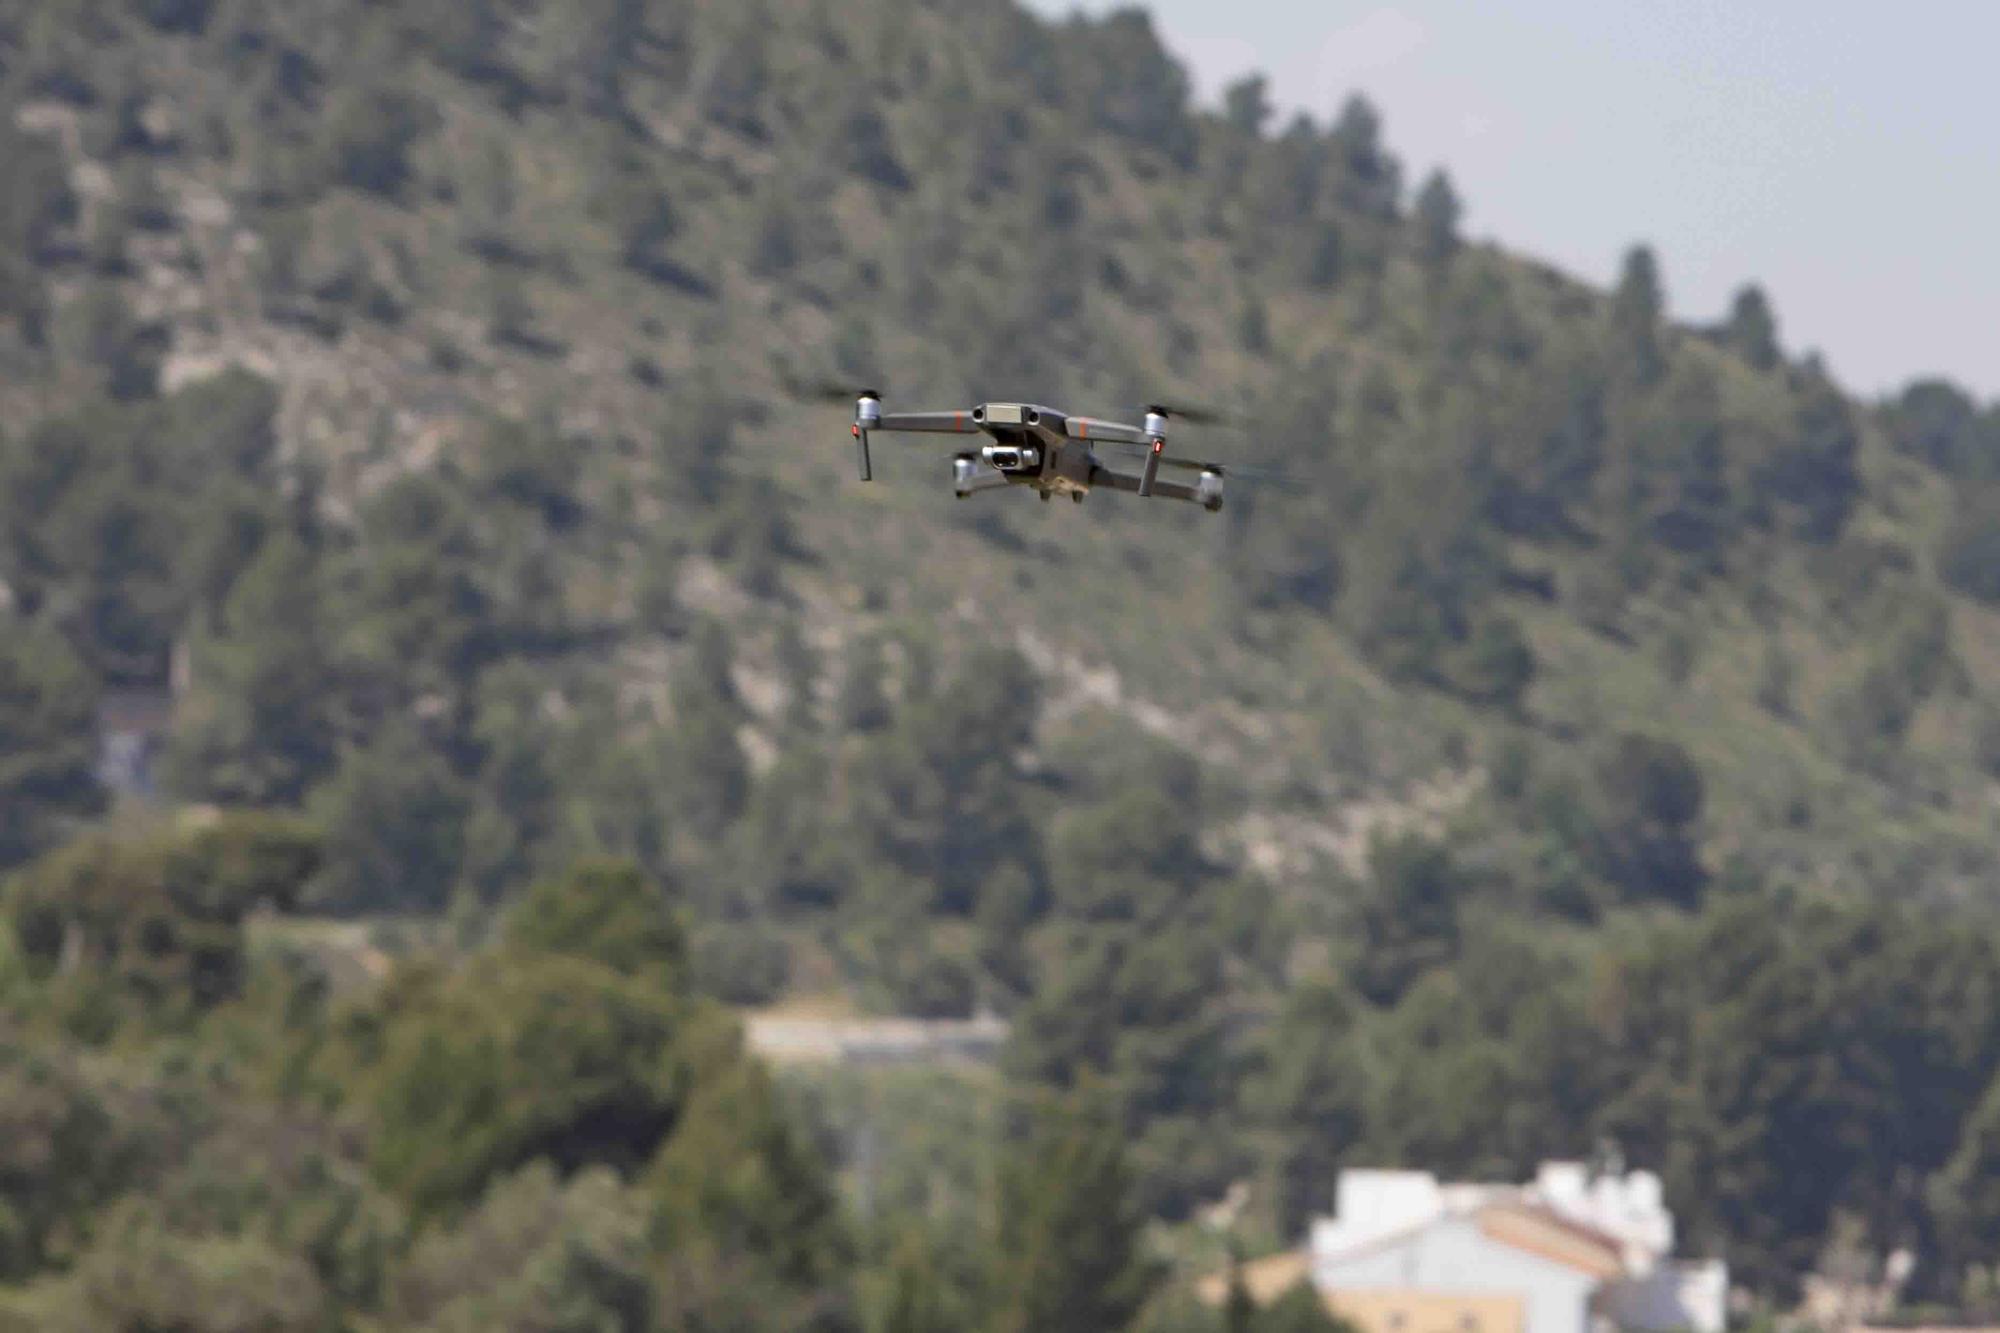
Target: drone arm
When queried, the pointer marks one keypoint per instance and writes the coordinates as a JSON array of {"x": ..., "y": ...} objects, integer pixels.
[
  {"x": 1108, "y": 432},
  {"x": 1207, "y": 495},
  {"x": 1183, "y": 464},
  {"x": 928, "y": 423}
]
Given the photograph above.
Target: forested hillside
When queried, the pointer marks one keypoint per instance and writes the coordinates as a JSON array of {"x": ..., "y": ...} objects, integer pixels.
[{"x": 411, "y": 404}]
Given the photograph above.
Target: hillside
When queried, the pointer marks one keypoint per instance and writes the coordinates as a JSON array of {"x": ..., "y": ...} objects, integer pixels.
[{"x": 414, "y": 400}]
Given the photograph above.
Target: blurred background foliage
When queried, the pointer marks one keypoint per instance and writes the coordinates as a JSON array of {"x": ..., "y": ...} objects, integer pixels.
[{"x": 404, "y": 421}]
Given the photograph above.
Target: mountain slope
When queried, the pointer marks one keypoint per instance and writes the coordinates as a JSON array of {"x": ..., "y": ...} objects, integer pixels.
[{"x": 519, "y": 540}]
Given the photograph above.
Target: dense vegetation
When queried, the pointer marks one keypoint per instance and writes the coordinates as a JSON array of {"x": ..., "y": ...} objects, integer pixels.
[{"x": 1603, "y": 751}]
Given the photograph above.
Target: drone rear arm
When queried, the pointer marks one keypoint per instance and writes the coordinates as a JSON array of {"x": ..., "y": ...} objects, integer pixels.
[{"x": 1207, "y": 495}]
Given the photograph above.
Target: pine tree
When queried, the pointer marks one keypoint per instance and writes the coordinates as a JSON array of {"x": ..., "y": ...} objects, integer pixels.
[
  {"x": 1752, "y": 330},
  {"x": 1239, "y": 1310},
  {"x": 1300, "y": 1310},
  {"x": 1066, "y": 1255},
  {"x": 1372, "y": 179},
  {"x": 260, "y": 723},
  {"x": 916, "y": 1296},
  {"x": 863, "y": 705},
  {"x": 1437, "y": 214},
  {"x": 1246, "y": 105},
  {"x": 48, "y": 740},
  {"x": 1637, "y": 307},
  {"x": 1964, "y": 1195},
  {"x": 395, "y": 817}
]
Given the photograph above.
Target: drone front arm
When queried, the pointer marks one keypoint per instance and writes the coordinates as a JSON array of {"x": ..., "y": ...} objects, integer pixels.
[
  {"x": 928, "y": 423},
  {"x": 869, "y": 417}
]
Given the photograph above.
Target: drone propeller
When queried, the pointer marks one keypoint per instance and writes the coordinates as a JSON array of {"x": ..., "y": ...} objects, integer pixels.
[
  {"x": 1194, "y": 415},
  {"x": 834, "y": 391}
]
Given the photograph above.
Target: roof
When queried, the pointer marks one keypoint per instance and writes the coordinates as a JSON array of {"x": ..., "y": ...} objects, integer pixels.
[
  {"x": 1519, "y": 1224},
  {"x": 1542, "y": 1232}
]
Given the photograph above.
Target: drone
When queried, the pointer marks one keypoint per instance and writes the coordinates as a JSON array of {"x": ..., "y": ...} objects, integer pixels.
[{"x": 1048, "y": 451}]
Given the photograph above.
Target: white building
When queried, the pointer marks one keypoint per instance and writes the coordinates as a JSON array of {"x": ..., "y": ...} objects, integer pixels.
[{"x": 1570, "y": 1252}]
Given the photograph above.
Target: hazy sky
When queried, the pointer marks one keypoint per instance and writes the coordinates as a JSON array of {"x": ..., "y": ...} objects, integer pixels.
[{"x": 1845, "y": 155}]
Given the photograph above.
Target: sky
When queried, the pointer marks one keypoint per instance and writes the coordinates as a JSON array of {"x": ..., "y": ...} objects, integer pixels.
[{"x": 1846, "y": 156}]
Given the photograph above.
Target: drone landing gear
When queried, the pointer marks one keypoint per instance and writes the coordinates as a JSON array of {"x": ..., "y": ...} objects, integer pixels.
[{"x": 1076, "y": 497}]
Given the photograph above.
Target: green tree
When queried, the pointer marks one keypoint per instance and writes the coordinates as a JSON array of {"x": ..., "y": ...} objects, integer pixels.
[
  {"x": 482, "y": 1072},
  {"x": 1239, "y": 1308},
  {"x": 863, "y": 704},
  {"x": 150, "y": 926},
  {"x": 1649, "y": 797},
  {"x": 125, "y": 351},
  {"x": 707, "y": 775},
  {"x": 939, "y": 794},
  {"x": 416, "y": 602},
  {"x": 67, "y": 1149},
  {"x": 1637, "y": 308},
  {"x": 1938, "y": 422},
  {"x": 1968, "y": 551},
  {"x": 1369, "y": 179},
  {"x": 1253, "y": 328},
  {"x": 1813, "y": 474},
  {"x": 142, "y": 1274},
  {"x": 915, "y": 1295},
  {"x": 1777, "y": 676},
  {"x": 738, "y": 1179},
  {"x": 1301, "y": 1309},
  {"x": 1311, "y": 1091},
  {"x": 1066, "y": 1254},
  {"x": 1494, "y": 666},
  {"x": 368, "y": 137},
  {"x": 48, "y": 740},
  {"x": 1752, "y": 330},
  {"x": 1246, "y": 105},
  {"x": 394, "y": 815},
  {"x": 1436, "y": 216},
  {"x": 262, "y": 721},
  {"x": 604, "y": 910},
  {"x": 1176, "y": 1310},
  {"x": 39, "y": 202},
  {"x": 1409, "y": 914},
  {"x": 1964, "y": 1194},
  {"x": 537, "y": 1252}
]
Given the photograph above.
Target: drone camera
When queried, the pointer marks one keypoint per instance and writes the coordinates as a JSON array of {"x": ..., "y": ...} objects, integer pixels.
[{"x": 1011, "y": 458}]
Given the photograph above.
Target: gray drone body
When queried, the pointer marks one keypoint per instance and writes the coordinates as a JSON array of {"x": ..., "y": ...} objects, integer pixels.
[{"x": 1045, "y": 450}]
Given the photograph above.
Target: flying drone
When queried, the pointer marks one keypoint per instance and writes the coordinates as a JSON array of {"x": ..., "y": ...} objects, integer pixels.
[{"x": 1048, "y": 451}]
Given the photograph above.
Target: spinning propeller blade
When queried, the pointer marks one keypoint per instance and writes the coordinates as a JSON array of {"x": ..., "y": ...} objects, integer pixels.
[
  {"x": 1194, "y": 415},
  {"x": 834, "y": 391}
]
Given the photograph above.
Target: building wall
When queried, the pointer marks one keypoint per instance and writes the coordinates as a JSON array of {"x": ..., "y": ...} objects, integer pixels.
[
  {"x": 1451, "y": 1257},
  {"x": 1400, "y": 1310}
]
